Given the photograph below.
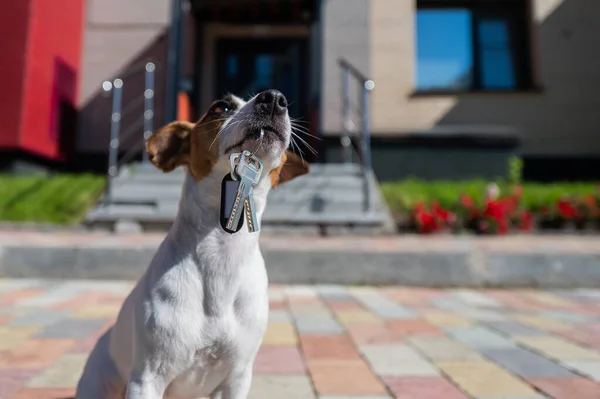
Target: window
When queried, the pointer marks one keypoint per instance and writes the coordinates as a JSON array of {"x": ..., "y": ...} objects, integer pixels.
[{"x": 472, "y": 45}]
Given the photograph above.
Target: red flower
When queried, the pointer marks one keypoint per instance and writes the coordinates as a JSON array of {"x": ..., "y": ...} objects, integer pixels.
[
  {"x": 443, "y": 215},
  {"x": 566, "y": 209},
  {"x": 426, "y": 222},
  {"x": 525, "y": 221},
  {"x": 466, "y": 201}
]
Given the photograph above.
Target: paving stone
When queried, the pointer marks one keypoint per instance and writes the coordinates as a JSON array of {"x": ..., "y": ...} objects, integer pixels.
[
  {"x": 492, "y": 349},
  {"x": 549, "y": 300},
  {"x": 590, "y": 369},
  {"x": 65, "y": 372},
  {"x": 474, "y": 298},
  {"x": 397, "y": 360},
  {"x": 53, "y": 296},
  {"x": 484, "y": 315},
  {"x": 300, "y": 291},
  {"x": 44, "y": 393},
  {"x": 355, "y": 397},
  {"x": 19, "y": 295},
  {"x": 312, "y": 309},
  {"x": 485, "y": 379},
  {"x": 38, "y": 318},
  {"x": 512, "y": 328},
  {"x": 542, "y": 323},
  {"x": 280, "y": 334},
  {"x": 557, "y": 348},
  {"x": 318, "y": 346},
  {"x": 12, "y": 336},
  {"x": 446, "y": 319},
  {"x": 279, "y": 360},
  {"x": 35, "y": 354},
  {"x": 317, "y": 325},
  {"x": 525, "y": 363},
  {"x": 73, "y": 328},
  {"x": 280, "y": 386},
  {"x": 12, "y": 381},
  {"x": 514, "y": 397},
  {"x": 344, "y": 377},
  {"x": 567, "y": 388},
  {"x": 334, "y": 292},
  {"x": 565, "y": 316},
  {"x": 97, "y": 312},
  {"x": 279, "y": 316},
  {"x": 340, "y": 305},
  {"x": 443, "y": 348},
  {"x": 382, "y": 306},
  {"x": 410, "y": 327},
  {"x": 423, "y": 388},
  {"x": 372, "y": 333},
  {"x": 479, "y": 337},
  {"x": 356, "y": 316}
]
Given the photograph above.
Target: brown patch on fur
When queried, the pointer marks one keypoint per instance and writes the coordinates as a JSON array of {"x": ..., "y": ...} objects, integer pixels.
[
  {"x": 291, "y": 166},
  {"x": 184, "y": 143},
  {"x": 169, "y": 147}
]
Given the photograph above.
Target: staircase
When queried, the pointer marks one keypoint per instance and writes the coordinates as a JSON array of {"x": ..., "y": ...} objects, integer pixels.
[
  {"x": 339, "y": 198},
  {"x": 328, "y": 200}
]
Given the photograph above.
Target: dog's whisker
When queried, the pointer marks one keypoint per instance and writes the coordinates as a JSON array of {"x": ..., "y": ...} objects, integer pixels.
[{"x": 310, "y": 148}]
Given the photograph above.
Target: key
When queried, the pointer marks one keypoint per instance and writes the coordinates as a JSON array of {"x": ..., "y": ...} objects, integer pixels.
[
  {"x": 250, "y": 212},
  {"x": 249, "y": 170}
]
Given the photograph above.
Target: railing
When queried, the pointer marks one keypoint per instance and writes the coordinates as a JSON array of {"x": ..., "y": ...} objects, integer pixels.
[
  {"x": 118, "y": 112},
  {"x": 365, "y": 86}
]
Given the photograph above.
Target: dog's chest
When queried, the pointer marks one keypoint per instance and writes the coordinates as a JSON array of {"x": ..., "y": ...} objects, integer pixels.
[
  {"x": 226, "y": 333},
  {"x": 223, "y": 344}
]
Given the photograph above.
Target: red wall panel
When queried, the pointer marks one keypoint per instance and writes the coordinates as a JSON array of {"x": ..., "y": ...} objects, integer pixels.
[
  {"x": 52, "y": 68},
  {"x": 14, "y": 23}
]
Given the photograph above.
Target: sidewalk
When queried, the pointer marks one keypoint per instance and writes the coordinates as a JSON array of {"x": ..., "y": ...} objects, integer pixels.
[
  {"x": 339, "y": 342},
  {"x": 439, "y": 261}
]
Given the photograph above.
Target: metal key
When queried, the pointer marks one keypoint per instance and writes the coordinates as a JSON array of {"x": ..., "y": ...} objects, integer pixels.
[
  {"x": 249, "y": 170},
  {"x": 250, "y": 212}
]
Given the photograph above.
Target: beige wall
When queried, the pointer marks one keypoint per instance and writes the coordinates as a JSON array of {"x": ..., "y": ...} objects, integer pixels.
[
  {"x": 564, "y": 118},
  {"x": 118, "y": 34}
]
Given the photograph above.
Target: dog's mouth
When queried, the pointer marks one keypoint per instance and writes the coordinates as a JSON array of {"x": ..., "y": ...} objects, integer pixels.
[{"x": 266, "y": 134}]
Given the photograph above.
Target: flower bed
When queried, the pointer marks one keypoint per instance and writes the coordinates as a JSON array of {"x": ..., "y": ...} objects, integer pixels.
[{"x": 493, "y": 208}]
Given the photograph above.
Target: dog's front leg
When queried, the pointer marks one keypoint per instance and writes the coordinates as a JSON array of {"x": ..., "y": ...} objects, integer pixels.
[
  {"x": 236, "y": 386},
  {"x": 145, "y": 385}
]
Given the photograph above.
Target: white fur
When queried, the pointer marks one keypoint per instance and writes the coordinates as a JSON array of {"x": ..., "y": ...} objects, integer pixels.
[{"x": 194, "y": 322}]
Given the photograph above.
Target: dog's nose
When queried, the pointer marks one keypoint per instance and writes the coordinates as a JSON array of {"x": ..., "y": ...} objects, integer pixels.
[{"x": 271, "y": 102}]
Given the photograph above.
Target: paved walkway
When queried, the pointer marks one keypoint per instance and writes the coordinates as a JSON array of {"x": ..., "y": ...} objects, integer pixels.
[{"x": 339, "y": 342}]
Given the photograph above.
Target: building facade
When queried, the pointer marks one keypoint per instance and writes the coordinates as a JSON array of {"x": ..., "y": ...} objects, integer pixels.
[{"x": 459, "y": 84}]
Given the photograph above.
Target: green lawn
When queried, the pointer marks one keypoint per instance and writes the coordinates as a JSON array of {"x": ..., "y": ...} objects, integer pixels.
[{"x": 58, "y": 199}]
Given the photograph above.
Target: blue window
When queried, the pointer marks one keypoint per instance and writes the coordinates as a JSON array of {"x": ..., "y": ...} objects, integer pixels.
[{"x": 471, "y": 45}]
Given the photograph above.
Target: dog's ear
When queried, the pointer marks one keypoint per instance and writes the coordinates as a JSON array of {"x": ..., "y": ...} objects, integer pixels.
[
  {"x": 169, "y": 147},
  {"x": 291, "y": 166}
]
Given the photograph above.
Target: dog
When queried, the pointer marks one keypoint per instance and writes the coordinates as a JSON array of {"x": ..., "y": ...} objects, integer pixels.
[{"x": 193, "y": 324}]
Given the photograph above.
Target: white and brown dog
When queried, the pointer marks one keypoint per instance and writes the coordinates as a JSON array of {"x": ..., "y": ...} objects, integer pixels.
[{"x": 193, "y": 324}]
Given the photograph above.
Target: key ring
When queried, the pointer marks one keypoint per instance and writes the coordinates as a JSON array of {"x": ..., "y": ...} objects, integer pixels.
[{"x": 236, "y": 158}]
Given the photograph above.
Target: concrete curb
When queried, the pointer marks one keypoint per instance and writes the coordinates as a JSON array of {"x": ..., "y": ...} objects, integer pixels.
[{"x": 545, "y": 262}]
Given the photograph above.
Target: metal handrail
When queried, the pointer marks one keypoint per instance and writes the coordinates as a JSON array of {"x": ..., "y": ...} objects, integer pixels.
[
  {"x": 366, "y": 85},
  {"x": 116, "y": 136}
]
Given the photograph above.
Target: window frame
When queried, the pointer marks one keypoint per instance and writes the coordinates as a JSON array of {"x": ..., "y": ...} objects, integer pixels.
[{"x": 518, "y": 15}]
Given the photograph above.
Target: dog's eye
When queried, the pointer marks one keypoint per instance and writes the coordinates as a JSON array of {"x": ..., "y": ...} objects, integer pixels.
[{"x": 220, "y": 108}]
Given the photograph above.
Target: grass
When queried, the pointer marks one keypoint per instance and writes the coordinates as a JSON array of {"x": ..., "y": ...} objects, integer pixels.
[
  {"x": 402, "y": 196},
  {"x": 57, "y": 199}
]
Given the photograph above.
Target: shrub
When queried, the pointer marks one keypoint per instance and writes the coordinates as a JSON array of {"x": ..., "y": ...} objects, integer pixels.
[{"x": 493, "y": 208}]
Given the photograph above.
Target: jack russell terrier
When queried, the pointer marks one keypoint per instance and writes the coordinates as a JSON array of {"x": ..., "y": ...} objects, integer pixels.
[{"x": 193, "y": 324}]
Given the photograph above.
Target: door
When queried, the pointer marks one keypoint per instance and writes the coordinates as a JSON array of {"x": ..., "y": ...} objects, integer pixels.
[{"x": 246, "y": 67}]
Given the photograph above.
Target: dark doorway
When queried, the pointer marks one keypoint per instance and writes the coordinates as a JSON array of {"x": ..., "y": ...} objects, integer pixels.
[{"x": 248, "y": 66}]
